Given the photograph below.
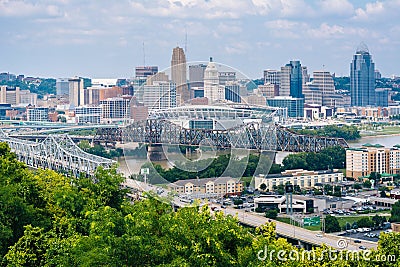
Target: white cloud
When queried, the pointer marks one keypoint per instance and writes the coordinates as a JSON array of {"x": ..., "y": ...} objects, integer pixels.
[
  {"x": 327, "y": 31},
  {"x": 336, "y": 7},
  {"x": 370, "y": 10},
  {"x": 237, "y": 48}
]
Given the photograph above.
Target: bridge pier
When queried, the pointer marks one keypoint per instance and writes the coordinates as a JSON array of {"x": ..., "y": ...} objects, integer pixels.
[{"x": 155, "y": 152}]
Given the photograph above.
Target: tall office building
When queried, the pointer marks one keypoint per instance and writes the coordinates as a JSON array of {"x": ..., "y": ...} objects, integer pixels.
[
  {"x": 291, "y": 80},
  {"x": 226, "y": 76},
  {"x": 323, "y": 80},
  {"x": 294, "y": 106},
  {"x": 178, "y": 75},
  {"x": 362, "y": 78},
  {"x": 272, "y": 77},
  {"x": 145, "y": 71},
  {"x": 305, "y": 75},
  {"x": 10, "y": 95},
  {"x": 76, "y": 92},
  {"x": 212, "y": 90},
  {"x": 159, "y": 95},
  {"x": 62, "y": 86},
  {"x": 232, "y": 91},
  {"x": 196, "y": 75}
]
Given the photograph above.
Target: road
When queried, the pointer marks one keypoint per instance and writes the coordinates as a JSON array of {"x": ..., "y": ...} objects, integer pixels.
[
  {"x": 291, "y": 231},
  {"x": 283, "y": 229}
]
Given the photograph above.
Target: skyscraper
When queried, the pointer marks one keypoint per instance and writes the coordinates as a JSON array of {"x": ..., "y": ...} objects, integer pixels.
[
  {"x": 291, "y": 80},
  {"x": 62, "y": 86},
  {"x": 272, "y": 77},
  {"x": 145, "y": 71},
  {"x": 196, "y": 75},
  {"x": 362, "y": 78},
  {"x": 76, "y": 92},
  {"x": 178, "y": 74},
  {"x": 212, "y": 90},
  {"x": 324, "y": 82}
]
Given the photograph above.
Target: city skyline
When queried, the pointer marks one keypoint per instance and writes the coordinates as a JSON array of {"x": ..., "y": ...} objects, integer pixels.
[{"x": 107, "y": 39}]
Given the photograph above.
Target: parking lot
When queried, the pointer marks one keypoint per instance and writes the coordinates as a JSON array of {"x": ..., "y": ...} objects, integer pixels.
[{"x": 365, "y": 235}]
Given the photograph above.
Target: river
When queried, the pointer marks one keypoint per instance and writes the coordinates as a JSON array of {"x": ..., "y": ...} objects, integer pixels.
[
  {"x": 130, "y": 165},
  {"x": 385, "y": 140}
]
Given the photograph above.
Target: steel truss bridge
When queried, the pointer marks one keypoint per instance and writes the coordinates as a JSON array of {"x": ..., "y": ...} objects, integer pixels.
[
  {"x": 56, "y": 152},
  {"x": 255, "y": 135}
]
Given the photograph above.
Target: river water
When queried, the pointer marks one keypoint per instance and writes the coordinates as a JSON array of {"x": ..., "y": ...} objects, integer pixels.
[{"x": 130, "y": 165}]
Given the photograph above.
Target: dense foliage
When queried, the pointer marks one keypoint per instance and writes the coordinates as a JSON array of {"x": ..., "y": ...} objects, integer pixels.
[
  {"x": 342, "y": 83},
  {"x": 100, "y": 150},
  {"x": 46, "y": 86},
  {"x": 347, "y": 132},
  {"x": 331, "y": 224},
  {"x": 223, "y": 165},
  {"x": 48, "y": 219},
  {"x": 331, "y": 157}
]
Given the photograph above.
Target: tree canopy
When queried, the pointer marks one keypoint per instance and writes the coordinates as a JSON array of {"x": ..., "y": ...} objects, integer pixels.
[{"x": 48, "y": 219}]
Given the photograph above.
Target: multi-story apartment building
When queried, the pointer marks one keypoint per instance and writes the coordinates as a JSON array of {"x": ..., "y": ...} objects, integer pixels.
[
  {"x": 219, "y": 186},
  {"x": 361, "y": 162},
  {"x": 302, "y": 178}
]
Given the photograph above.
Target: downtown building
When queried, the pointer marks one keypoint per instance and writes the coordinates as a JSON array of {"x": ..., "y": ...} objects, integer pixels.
[
  {"x": 213, "y": 91},
  {"x": 179, "y": 75},
  {"x": 88, "y": 114},
  {"x": 145, "y": 71},
  {"x": 362, "y": 78},
  {"x": 159, "y": 95},
  {"x": 62, "y": 86},
  {"x": 116, "y": 109},
  {"x": 37, "y": 114}
]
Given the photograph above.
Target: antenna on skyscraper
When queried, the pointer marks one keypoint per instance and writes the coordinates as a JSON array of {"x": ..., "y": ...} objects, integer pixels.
[
  {"x": 144, "y": 57},
  {"x": 185, "y": 41}
]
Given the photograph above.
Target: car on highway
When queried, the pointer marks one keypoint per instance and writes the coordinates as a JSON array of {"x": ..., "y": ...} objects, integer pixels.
[
  {"x": 357, "y": 241},
  {"x": 319, "y": 235},
  {"x": 362, "y": 247}
]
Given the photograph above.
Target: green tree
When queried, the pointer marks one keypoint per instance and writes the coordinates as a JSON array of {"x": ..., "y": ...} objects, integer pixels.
[
  {"x": 331, "y": 224},
  {"x": 378, "y": 220},
  {"x": 364, "y": 222},
  {"x": 271, "y": 213},
  {"x": 263, "y": 187},
  {"x": 395, "y": 212}
]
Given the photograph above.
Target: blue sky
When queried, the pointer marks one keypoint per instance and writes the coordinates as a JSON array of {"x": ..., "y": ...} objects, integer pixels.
[{"x": 104, "y": 39}]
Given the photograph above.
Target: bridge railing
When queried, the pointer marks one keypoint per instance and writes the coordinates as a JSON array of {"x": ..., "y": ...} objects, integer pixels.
[{"x": 57, "y": 152}]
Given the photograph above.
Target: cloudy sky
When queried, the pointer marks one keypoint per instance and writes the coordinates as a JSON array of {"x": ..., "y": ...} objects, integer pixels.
[{"x": 104, "y": 39}]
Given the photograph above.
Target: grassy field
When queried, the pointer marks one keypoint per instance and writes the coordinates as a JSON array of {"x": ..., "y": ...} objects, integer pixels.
[
  {"x": 351, "y": 219},
  {"x": 312, "y": 228},
  {"x": 342, "y": 221},
  {"x": 385, "y": 131}
]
